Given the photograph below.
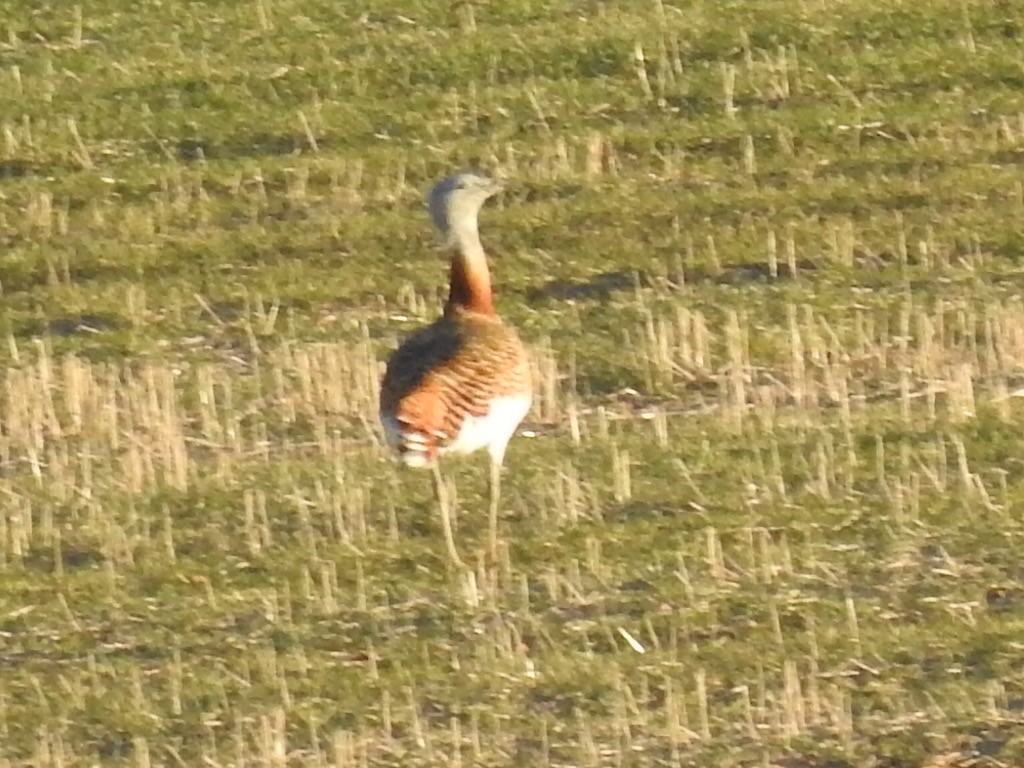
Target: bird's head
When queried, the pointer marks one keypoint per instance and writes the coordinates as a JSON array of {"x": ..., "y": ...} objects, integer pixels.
[{"x": 455, "y": 201}]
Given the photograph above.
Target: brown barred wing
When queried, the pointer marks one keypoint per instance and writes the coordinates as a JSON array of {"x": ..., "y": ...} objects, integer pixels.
[{"x": 448, "y": 371}]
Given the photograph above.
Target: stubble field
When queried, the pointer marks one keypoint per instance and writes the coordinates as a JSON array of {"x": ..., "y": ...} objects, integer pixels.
[{"x": 766, "y": 510}]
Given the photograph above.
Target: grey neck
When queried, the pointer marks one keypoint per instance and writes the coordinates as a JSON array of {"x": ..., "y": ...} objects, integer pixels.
[
  {"x": 464, "y": 236},
  {"x": 470, "y": 279}
]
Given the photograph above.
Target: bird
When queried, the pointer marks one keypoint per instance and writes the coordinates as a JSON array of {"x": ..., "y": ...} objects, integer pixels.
[{"x": 462, "y": 383}]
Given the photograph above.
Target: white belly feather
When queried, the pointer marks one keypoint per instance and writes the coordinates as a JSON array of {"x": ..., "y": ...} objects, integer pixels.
[{"x": 492, "y": 431}]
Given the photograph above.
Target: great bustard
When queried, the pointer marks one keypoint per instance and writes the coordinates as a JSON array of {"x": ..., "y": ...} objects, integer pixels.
[{"x": 461, "y": 383}]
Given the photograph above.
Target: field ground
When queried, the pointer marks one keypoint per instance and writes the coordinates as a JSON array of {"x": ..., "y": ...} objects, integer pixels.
[{"x": 767, "y": 511}]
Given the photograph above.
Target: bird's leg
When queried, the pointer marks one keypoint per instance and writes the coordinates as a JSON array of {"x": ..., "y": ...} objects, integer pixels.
[
  {"x": 495, "y": 494},
  {"x": 446, "y": 520}
]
